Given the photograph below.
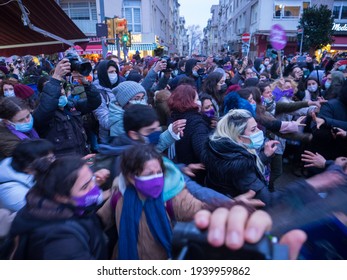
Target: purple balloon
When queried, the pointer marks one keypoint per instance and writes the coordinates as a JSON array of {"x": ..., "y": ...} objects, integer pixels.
[{"x": 278, "y": 37}]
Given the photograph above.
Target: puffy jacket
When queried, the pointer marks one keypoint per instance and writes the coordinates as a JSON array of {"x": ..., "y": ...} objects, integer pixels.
[
  {"x": 13, "y": 186},
  {"x": 232, "y": 170}
]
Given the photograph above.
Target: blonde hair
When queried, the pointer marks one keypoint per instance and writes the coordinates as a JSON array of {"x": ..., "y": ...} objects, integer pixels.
[
  {"x": 278, "y": 84},
  {"x": 232, "y": 126}
]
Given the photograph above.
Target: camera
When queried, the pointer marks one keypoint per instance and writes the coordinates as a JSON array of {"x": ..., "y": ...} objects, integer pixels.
[
  {"x": 190, "y": 243},
  {"x": 77, "y": 64},
  {"x": 170, "y": 65}
]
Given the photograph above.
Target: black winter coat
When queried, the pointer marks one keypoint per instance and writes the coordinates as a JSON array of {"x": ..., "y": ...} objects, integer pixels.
[
  {"x": 196, "y": 132},
  {"x": 64, "y": 128},
  {"x": 53, "y": 232},
  {"x": 232, "y": 170}
]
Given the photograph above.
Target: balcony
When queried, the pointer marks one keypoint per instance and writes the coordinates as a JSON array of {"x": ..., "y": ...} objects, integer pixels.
[{"x": 88, "y": 27}]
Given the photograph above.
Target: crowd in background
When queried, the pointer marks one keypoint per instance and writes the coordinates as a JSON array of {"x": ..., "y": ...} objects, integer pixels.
[{"x": 102, "y": 164}]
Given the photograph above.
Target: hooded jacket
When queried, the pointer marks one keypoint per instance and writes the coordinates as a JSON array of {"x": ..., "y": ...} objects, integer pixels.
[
  {"x": 13, "y": 186},
  {"x": 105, "y": 87}
]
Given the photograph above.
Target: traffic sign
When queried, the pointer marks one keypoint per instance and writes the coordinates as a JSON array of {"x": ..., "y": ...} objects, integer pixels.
[
  {"x": 246, "y": 37},
  {"x": 278, "y": 37}
]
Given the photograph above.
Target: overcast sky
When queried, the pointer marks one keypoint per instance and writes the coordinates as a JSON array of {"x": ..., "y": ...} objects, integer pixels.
[{"x": 196, "y": 12}]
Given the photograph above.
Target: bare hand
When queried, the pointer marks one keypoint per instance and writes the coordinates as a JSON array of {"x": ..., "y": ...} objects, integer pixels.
[
  {"x": 62, "y": 68},
  {"x": 192, "y": 168},
  {"x": 235, "y": 226},
  {"x": 300, "y": 120},
  {"x": 319, "y": 122},
  {"x": 160, "y": 66},
  {"x": 270, "y": 147},
  {"x": 341, "y": 132},
  {"x": 247, "y": 198},
  {"x": 313, "y": 159},
  {"x": 101, "y": 176},
  {"x": 178, "y": 126}
]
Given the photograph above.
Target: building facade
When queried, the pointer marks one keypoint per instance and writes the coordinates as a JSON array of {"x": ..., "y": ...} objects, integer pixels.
[
  {"x": 155, "y": 25},
  {"x": 256, "y": 17}
]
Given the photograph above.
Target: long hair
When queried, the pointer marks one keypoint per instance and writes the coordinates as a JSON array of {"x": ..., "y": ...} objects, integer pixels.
[{"x": 233, "y": 125}]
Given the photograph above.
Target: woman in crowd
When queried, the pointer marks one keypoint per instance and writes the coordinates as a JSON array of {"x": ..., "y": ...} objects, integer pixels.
[
  {"x": 214, "y": 85},
  {"x": 59, "y": 220},
  {"x": 17, "y": 174},
  {"x": 185, "y": 104},
  {"x": 313, "y": 91},
  {"x": 231, "y": 159},
  {"x": 16, "y": 125}
]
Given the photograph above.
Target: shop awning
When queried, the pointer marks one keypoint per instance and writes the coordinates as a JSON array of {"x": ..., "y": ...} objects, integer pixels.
[
  {"x": 90, "y": 49},
  {"x": 18, "y": 39},
  {"x": 340, "y": 43},
  {"x": 143, "y": 47},
  {"x": 136, "y": 47}
]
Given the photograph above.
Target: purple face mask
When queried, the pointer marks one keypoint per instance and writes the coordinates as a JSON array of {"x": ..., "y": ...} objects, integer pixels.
[
  {"x": 94, "y": 196},
  {"x": 227, "y": 67},
  {"x": 288, "y": 93},
  {"x": 210, "y": 113},
  {"x": 150, "y": 186}
]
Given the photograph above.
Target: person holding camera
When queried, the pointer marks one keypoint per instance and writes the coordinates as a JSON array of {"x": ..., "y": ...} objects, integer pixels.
[{"x": 60, "y": 121}]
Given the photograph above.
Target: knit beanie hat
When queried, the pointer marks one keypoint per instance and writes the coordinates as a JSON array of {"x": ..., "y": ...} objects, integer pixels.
[
  {"x": 23, "y": 91},
  {"x": 4, "y": 69},
  {"x": 127, "y": 90}
]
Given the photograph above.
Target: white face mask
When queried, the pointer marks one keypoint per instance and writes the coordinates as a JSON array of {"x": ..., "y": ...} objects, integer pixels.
[
  {"x": 113, "y": 78},
  {"x": 140, "y": 102},
  {"x": 312, "y": 88}
]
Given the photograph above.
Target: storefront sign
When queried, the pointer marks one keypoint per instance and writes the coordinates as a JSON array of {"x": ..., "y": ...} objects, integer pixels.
[
  {"x": 136, "y": 38},
  {"x": 339, "y": 27}
]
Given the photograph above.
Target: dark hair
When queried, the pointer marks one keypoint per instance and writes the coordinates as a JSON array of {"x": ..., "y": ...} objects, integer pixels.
[
  {"x": 204, "y": 96},
  {"x": 263, "y": 85},
  {"x": 134, "y": 159},
  {"x": 6, "y": 82},
  {"x": 245, "y": 93},
  {"x": 57, "y": 177},
  {"x": 10, "y": 106},
  {"x": 182, "y": 99},
  {"x": 29, "y": 150},
  {"x": 41, "y": 82},
  {"x": 138, "y": 116},
  {"x": 187, "y": 81},
  {"x": 210, "y": 86}
]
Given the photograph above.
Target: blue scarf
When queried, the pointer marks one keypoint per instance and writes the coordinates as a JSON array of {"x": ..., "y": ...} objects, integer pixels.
[{"x": 157, "y": 220}]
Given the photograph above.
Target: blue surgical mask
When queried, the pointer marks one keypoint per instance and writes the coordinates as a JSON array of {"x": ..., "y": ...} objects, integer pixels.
[
  {"x": 24, "y": 127},
  {"x": 254, "y": 107},
  {"x": 327, "y": 84},
  {"x": 312, "y": 88},
  {"x": 342, "y": 67},
  {"x": 9, "y": 93},
  {"x": 62, "y": 101},
  {"x": 257, "y": 140},
  {"x": 153, "y": 138},
  {"x": 195, "y": 73}
]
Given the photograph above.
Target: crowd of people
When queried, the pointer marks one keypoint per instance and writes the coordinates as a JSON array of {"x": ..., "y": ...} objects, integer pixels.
[{"x": 103, "y": 165}]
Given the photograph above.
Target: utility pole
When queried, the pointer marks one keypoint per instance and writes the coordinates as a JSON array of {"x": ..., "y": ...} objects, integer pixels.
[
  {"x": 302, "y": 39},
  {"x": 102, "y": 18}
]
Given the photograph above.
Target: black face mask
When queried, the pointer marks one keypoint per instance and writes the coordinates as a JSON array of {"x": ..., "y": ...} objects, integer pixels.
[
  {"x": 223, "y": 88},
  {"x": 228, "y": 82}
]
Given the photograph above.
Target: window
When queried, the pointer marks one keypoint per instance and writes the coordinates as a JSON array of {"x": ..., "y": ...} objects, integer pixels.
[
  {"x": 289, "y": 9},
  {"x": 132, "y": 12},
  {"x": 254, "y": 13},
  {"x": 80, "y": 11},
  {"x": 340, "y": 10}
]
